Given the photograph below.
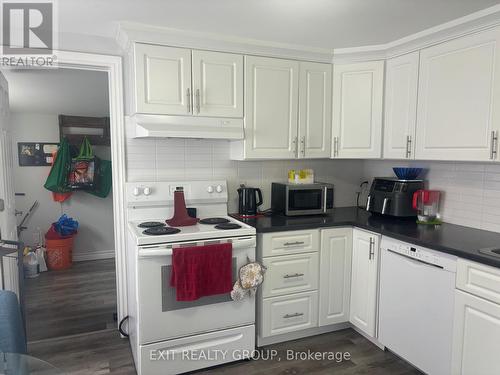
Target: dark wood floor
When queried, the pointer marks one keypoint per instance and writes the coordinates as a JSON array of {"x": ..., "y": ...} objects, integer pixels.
[
  {"x": 105, "y": 353},
  {"x": 78, "y": 300},
  {"x": 70, "y": 314}
]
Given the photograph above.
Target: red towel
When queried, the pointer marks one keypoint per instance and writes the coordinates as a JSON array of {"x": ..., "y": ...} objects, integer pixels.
[{"x": 200, "y": 271}]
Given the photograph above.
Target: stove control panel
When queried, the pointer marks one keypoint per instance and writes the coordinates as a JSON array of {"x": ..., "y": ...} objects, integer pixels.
[{"x": 162, "y": 193}]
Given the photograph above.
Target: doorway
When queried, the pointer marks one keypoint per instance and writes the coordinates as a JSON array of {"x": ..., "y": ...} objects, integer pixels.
[
  {"x": 44, "y": 105},
  {"x": 110, "y": 67}
]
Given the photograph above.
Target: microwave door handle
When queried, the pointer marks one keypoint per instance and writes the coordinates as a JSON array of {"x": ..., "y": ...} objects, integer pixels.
[{"x": 325, "y": 198}]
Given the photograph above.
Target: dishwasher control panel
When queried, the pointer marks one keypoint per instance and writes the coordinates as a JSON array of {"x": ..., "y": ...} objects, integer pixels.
[{"x": 422, "y": 254}]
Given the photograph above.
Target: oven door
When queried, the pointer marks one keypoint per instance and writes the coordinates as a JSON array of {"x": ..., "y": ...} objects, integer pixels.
[
  {"x": 306, "y": 200},
  {"x": 162, "y": 317}
]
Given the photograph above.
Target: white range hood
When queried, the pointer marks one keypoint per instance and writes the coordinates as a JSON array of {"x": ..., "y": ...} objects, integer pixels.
[{"x": 164, "y": 126}]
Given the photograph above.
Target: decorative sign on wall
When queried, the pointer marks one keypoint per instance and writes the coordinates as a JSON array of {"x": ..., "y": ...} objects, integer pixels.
[{"x": 36, "y": 154}]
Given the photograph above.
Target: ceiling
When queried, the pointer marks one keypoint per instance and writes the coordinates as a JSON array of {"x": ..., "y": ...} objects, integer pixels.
[
  {"x": 58, "y": 91},
  {"x": 314, "y": 23}
]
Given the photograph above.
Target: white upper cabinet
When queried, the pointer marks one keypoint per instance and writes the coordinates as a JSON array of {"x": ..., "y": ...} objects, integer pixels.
[
  {"x": 400, "y": 113},
  {"x": 179, "y": 81},
  {"x": 458, "y": 99},
  {"x": 315, "y": 110},
  {"x": 162, "y": 80},
  {"x": 364, "y": 281},
  {"x": 217, "y": 84},
  {"x": 357, "y": 110},
  {"x": 335, "y": 275},
  {"x": 271, "y": 101}
]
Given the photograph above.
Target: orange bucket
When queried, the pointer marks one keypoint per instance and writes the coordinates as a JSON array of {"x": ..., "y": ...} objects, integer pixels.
[{"x": 59, "y": 253}]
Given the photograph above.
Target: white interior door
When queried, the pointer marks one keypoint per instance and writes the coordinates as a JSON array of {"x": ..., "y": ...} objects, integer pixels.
[
  {"x": 400, "y": 114},
  {"x": 271, "y": 101},
  {"x": 163, "y": 80},
  {"x": 7, "y": 203},
  {"x": 8, "y": 223},
  {"x": 315, "y": 110},
  {"x": 458, "y": 99},
  {"x": 217, "y": 84},
  {"x": 357, "y": 110}
]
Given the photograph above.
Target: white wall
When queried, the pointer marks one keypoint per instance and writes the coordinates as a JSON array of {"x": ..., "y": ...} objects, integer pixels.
[
  {"x": 193, "y": 159},
  {"x": 471, "y": 190},
  {"x": 95, "y": 215}
]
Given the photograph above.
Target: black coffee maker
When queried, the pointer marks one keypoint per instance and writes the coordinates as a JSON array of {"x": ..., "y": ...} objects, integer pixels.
[{"x": 248, "y": 201}]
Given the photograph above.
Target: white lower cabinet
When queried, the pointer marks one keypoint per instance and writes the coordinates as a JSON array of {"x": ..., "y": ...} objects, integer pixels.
[
  {"x": 364, "y": 281},
  {"x": 289, "y": 313},
  {"x": 288, "y": 299},
  {"x": 290, "y": 274},
  {"x": 335, "y": 275},
  {"x": 476, "y": 343}
]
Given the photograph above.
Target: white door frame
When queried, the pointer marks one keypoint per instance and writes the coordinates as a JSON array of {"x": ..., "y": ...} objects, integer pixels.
[{"x": 113, "y": 66}]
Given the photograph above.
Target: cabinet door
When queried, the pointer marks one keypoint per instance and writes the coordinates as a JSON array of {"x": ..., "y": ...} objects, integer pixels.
[
  {"x": 475, "y": 337},
  {"x": 357, "y": 110},
  {"x": 335, "y": 275},
  {"x": 271, "y": 100},
  {"x": 162, "y": 80},
  {"x": 458, "y": 99},
  {"x": 315, "y": 110},
  {"x": 217, "y": 84},
  {"x": 364, "y": 281},
  {"x": 400, "y": 114}
]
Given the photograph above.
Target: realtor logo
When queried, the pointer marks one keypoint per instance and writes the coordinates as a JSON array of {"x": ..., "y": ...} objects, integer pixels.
[{"x": 28, "y": 33}]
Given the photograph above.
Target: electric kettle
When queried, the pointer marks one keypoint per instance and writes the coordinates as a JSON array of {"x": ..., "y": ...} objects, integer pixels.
[{"x": 249, "y": 199}]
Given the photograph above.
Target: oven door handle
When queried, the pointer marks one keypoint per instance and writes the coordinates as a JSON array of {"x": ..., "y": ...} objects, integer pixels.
[{"x": 166, "y": 250}]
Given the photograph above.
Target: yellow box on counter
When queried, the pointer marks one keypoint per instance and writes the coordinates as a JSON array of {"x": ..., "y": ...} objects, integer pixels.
[{"x": 301, "y": 176}]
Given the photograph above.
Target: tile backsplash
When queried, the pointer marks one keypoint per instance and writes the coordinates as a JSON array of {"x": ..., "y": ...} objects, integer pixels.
[
  {"x": 471, "y": 191},
  {"x": 198, "y": 159}
]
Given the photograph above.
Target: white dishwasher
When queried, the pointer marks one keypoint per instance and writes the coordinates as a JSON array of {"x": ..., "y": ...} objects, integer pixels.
[{"x": 416, "y": 304}]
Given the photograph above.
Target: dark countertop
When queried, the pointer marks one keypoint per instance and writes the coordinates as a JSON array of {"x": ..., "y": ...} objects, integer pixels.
[{"x": 453, "y": 239}]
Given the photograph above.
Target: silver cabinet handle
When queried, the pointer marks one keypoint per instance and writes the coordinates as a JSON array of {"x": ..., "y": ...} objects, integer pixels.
[
  {"x": 335, "y": 146},
  {"x": 293, "y": 275},
  {"x": 286, "y": 316},
  {"x": 408, "y": 146},
  {"x": 295, "y": 146},
  {"x": 188, "y": 95},
  {"x": 325, "y": 198},
  {"x": 198, "y": 100},
  {"x": 294, "y": 243},
  {"x": 303, "y": 145},
  {"x": 371, "y": 252},
  {"x": 494, "y": 139}
]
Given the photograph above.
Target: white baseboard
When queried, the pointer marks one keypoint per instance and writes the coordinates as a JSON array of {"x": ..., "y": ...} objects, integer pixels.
[{"x": 94, "y": 255}]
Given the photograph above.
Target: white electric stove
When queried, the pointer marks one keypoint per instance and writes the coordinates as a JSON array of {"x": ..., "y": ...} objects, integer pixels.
[{"x": 168, "y": 336}]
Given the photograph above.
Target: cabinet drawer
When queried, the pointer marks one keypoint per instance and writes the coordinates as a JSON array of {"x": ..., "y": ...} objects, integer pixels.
[
  {"x": 290, "y": 274},
  {"x": 479, "y": 279},
  {"x": 282, "y": 243},
  {"x": 289, "y": 313}
]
